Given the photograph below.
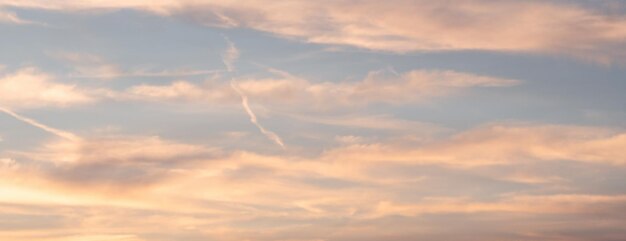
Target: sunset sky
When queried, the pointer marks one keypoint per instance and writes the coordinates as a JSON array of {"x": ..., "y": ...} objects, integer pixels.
[{"x": 312, "y": 120}]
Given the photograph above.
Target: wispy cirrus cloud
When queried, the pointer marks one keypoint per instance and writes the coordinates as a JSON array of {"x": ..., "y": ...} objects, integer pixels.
[
  {"x": 376, "y": 87},
  {"x": 405, "y": 26},
  {"x": 85, "y": 65},
  {"x": 513, "y": 143},
  {"x": 381, "y": 122},
  {"x": 384, "y": 155},
  {"x": 230, "y": 56},
  {"x": 11, "y": 18},
  {"x": 89, "y": 65},
  {"x": 501, "y": 144}
]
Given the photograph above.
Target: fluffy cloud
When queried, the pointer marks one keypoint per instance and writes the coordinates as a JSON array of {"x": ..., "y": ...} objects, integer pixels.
[{"x": 29, "y": 88}]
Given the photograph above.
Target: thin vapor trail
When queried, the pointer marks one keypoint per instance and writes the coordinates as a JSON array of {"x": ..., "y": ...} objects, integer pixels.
[
  {"x": 244, "y": 101},
  {"x": 229, "y": 58},
  {"x": 56, "y": 132}
]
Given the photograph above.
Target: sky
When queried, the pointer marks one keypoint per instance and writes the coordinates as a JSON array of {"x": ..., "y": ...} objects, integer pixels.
[{"x": 328, "y": 120}]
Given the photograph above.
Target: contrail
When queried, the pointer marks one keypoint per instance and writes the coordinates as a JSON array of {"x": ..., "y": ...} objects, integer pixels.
[
  {"x": 56, "y": 132},
  {"x": 244, "y": 101},
  {"x": 230, "y": 56}
]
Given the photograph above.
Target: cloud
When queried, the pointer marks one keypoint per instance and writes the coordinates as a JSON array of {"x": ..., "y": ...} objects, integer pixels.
[
  {"x": 120, "y": 149},
  {"x": 29, "y": 88},
  {"x": 102, "y": 237},
  {"x": 110, "y": 164},
  {"x": 230, "y": 55},
  {"x": 178, "y": 89},
  {"x": 382, "y": 123},
  {"x": 379, "y": 87},
  {"x": 291, "y": 91},
  {"x": 89, "y": 65},
  {"x": 517, "y": 204},
  {"x": 553, "y": 27},
  {"x": 11, "y": 18},
  {"x": 405, "y": 26},
  {"x": 497, "y": 181},
  {"x": 131, "y": 184},
  {"x": 136, "y": 158},
  {"x": 86, "y": 65},
  {"x": 499, "y": 144}
]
